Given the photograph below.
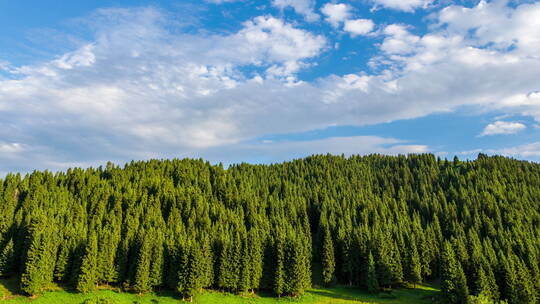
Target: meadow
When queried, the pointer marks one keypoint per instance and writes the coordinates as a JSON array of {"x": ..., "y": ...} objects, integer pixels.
[{"x": 422, "y": 294}]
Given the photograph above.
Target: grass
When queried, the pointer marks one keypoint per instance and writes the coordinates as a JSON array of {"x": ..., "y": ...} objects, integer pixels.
[{"x": 422, "y": 294}]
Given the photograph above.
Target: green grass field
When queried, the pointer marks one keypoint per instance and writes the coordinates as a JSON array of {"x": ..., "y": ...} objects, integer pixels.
[{"x": 339, "y": 295}]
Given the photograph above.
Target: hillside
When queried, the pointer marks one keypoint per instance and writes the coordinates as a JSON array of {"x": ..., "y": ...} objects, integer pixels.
[{"x": 373, "y": 222}]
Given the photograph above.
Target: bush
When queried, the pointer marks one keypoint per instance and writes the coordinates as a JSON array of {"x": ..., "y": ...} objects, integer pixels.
[{"x": 482, "y": 299}]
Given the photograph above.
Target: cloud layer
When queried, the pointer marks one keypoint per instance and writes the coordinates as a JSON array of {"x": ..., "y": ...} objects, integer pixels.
[{"x": 142, "y": 88}]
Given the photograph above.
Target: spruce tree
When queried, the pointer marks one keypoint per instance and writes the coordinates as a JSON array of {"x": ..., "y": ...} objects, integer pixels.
[
  {"x": 32, "y": 277},
  {"x": 509, "y": 290},
  {"x": 526, "y": 292},
  {"x": 40, "y": 256},
  {"x": 328, "y": 260},
  {"x": 371, "y": 275},
  {"x": 142, "y": 273},
  {"x": 453, "y": 282},
  {"x": 256, "y": 259},
  {"x": 7, "y": 259},
  {"x": 87, "y": 278},
  {"x": 414, "y": 266},
  {"x": 279, "y": 274}
]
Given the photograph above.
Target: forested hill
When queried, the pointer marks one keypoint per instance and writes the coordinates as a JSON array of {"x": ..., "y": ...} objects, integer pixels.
[{"x": 370, "y": 221}]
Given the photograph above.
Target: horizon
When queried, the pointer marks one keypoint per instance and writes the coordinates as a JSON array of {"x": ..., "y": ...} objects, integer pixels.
[{"x": 261, "y": 82}]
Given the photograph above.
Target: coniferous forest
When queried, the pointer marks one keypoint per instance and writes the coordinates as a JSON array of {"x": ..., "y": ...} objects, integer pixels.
[{"x": 375, "y": 222}]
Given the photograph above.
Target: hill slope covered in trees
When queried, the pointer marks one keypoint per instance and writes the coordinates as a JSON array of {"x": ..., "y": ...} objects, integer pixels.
[{"x": 373, "y": 222}]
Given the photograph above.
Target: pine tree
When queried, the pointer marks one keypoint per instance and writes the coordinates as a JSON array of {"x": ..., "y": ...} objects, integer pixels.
[
  {"x": 279, "y": 274},
  {"x": 185, "y": 272},
  {"x": 371, "y": 279},
  {"x": 190, "y": 273},
  {"x": 509, "y": 280},
  {"x": 7, "y": 259},
  {"x": 156, "y": 262},
  {"x": 526, "y": 292},
  {"x": 453, "y": 282},
  {"x": 328, "y": 260},
  {"x": 207, "y": 264},
  {"x": 32, "y": 278},
  {"x": 256, "y": 259},
  {"x": 87, "y": 278},
  {"x": 62, "y": 262},
  {"x": 40, "y": 257},
  {"x": 414, "y": 266},
  {"x": 245, "y": 272},
  {"x": 142, "y": 273},
  {"x": 229, "y": 274}
]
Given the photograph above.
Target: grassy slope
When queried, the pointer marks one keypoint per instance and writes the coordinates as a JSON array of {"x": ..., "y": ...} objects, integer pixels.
[{"x": 336, "y": 295}]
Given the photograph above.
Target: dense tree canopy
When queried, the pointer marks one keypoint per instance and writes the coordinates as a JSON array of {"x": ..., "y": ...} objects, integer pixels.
[{"x": 369, "y": 221}]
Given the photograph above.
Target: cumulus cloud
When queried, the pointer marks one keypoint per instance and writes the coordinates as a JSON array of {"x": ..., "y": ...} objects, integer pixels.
[
  {"x": 141, "y": 88},
  {"x": 358, "y": 27},
  {"x": 496, "y": 24},
  {"x": 302, "y": 7},
  {"x": 503, "y": 127},
  {"x": 336, "y": 13},
  {"x": 398, "y": 40},
  {"x": 525, "y": 104},
  {"x": 403, "y": 5},
  {"x": 137, "y": 90}
]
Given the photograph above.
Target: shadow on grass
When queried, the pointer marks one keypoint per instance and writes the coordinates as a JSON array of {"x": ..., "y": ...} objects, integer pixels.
[
  {"x": 263, "y": 293},
  {"x": 11, "y": 285},
  {"x": 166, "y": 293},
  {"x": 404, "y": 295},
  {"x": 343, "y": 294}
]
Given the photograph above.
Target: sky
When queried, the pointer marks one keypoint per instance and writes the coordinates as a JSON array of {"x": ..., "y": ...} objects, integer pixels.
[{"x": 87, "y": 82}]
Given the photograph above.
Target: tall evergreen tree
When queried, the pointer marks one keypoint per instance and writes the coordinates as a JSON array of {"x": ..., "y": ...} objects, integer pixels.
[
  {"x": 7, "y": 259},
  {"x": 87, "y": 278},
  {"x": 371, "y": 273},
  {"x": 414, "y": 266},
  {"x": 142, "y": 274},
  {"x": 328, "y": 260},
  {"x": 453, "y": 282}
]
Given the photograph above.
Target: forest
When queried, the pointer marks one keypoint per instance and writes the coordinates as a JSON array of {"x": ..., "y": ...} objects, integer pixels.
[{"x": 375, "y": 222}]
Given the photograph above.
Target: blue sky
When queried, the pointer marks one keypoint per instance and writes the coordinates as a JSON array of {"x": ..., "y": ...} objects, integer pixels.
[{"x": 85, "y": 82}]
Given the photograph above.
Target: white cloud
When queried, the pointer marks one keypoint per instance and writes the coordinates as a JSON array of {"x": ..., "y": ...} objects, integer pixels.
[
  {"x": 137, "y": 88},
  {"x": 503, "y": 127},
  {"x": 336, "y": 13},
  {"x": 302, "y": 7},
  {"x": 267, "y": 40},
  {"x": 141, "y": 90},
  {"x": 403, "y": 5},
  {"x": 359, "y": 26},
  {"x": 398, "y": 40},
  {"x": 524, "y": 104},
  {"x": 496, "y": 24}
]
